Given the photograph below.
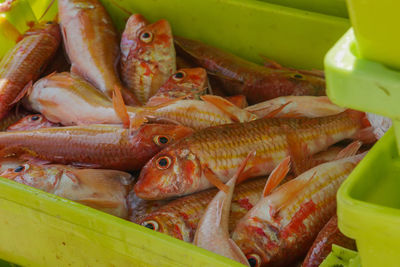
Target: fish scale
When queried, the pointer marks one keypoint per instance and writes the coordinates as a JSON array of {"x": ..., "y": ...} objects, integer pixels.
[
  {"x": 26, "y": 61},
  {"x": 105, "y": 146},
  {"x": 280, "y": 239},
  {"x": 185, "y": 213},
  {"x": 223, "y": 148}
]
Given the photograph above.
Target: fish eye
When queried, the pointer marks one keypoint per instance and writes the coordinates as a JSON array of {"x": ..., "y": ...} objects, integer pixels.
[
  {"x": 179, "y": 76},
  {"x": 153, "y": 225},
  {"x": 161, "y": 140},
  {"x": 298, "y": 76},
  {"x": 163, "y": 163},
  {"x": 35, "y": 117},
  {"x": 254, "y": 260},
  {"x": 146, "y": 37},
  {"x": 21, "y": 168}
]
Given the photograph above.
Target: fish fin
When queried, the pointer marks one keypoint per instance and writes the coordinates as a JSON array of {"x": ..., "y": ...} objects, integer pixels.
[
  {"x": 349, "y": 150},
  {"x": 271, "y": 64},
  {"x": 238, "y": 100},
  {"x": 298, "y": 151},
  {"x": 235, "y": 113},
  {"x": 291, "y": 190},
  {"x": 277, "y": 175},
  {"x": 213, "y": 179},
  {"x": 26, "y": 91},
  {"x": 276, "y": 111},
  {"x": 120, "y": 108},
  {"x": 240, "y": 171},
  {"x": 365, "y": 135},
  {"x": 239, "y": 255}
]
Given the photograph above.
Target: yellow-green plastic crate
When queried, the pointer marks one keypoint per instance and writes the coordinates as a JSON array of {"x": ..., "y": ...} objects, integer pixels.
[{"x": 39, "y": 229}]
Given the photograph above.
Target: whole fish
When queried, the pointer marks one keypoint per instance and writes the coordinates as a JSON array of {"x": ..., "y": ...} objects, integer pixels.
[
  {"x": 105, "y": 190},
  {"x": 148, "y": 56},
  {"x": 91, "y": 42},
  {"x": 322, "y": 245},
  {"x": 26, "y": 61},
  {"x": 281, "y": 227},
  {"x": 100, "y": 146},
  {"x": 212, "y": 231},
  {"x": 296, "y": 106},
  {"x": 239, "y": 76},
  {"x": 187, "y": 83},
  {"x": 179, "y": 218},
  {"x": 69, "y": 100},
  {"x": 12, "y": 117},
  {"x": 215, "y": 153},
  {"x": 31, "y": 122}
]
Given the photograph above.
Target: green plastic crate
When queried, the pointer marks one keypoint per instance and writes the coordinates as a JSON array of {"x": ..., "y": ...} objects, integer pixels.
[{"x": 39, "y": 229}]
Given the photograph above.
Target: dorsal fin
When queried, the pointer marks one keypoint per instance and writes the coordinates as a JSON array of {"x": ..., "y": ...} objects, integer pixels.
[
  {"x": 235, "y": 113},
  {"x": 298, "y": 150},
  {"x": 349, "y": 150},
  {"x": 26, "y": 91},
  {"x": 277, "y": 175},
  {"x": 290, "y": 191},
  {"x": 275, "y": 112}
]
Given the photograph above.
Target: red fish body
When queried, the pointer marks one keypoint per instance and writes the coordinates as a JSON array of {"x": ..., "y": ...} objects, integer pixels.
[
  {"x": 179, "y": 218},
  {"x": 322, "y": 245},
  {"x": 238, "y": 76},
  {"x": 91, "y": 42},
  {"x": 216, "y": 152},
  {"x": 282, "y": 225},
  {"x": 100, "y": 146},
  {"x": 13, "y": 116},
  {"x": 105, "y": 190},
  {"x": 26, "y": 61},
  {"x": 148, "y": 56}
]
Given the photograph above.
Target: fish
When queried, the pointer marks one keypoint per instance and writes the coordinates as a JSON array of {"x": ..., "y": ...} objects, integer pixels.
[
  {"x": 281, "y": 227},
  {"x": 69, "y": 100},
  {"x": 92, "y": 45},
  {"x": 188, "y": 83},
  {"x": 296, "y": 106},
  {"x": 94, "y": 146},
  {"x": 322, "y": 245},
  {"x": 31, "y": 122},
  {"x": 212, "y": 231},
  {"x": 104, "y": 190},
  {"x": 179, "y": 218},
  {"x": 24, "y": 63},
  {"x": 12, "y": 117},
  {"x": 239, "y": 76},
  {"x": 148, "y": 56},
  {"x": 215, "y": 153},
  {"x": 197, "y": 114}
]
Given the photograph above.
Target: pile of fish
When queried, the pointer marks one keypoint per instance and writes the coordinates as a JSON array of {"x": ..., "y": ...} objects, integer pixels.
[{"x": 255, "y": 183}]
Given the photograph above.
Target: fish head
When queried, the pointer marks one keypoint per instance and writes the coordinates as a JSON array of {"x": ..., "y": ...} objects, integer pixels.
[
  {"x": 31, "y": 122},
  {"x": 257, "y": 239},
  {"x": 192, "y": 79},
  {"x": 50, "y": 28},
  {"x": 149, "y": 139},
  {"x": 147, "y": 42},
  {"x": 172, "y": 172},
  {"x": 36, "y": 175},
  {"x": 170, "y": 224}
]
